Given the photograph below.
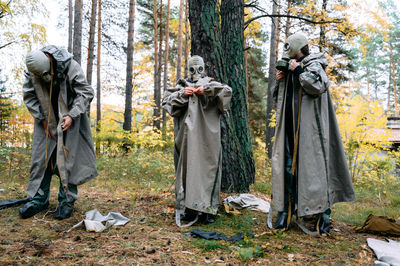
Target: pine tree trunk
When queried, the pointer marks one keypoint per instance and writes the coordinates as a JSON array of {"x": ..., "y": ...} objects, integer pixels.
[
  {"x": 396, "y": 105},
  {"x": 159, "y": 72},
  {"x": 269, "y": 131},
  {"x": 70, "y": 24},
  {"x": 98, "y": 88},
  {"x": 156, "y": 112},
  {"x": 288, "y": 20},
  {"x": 221, "y": 44},
  {"x": 322, "y": 37},
  {"x": 166, "y": 55},
  {"x": 129, "y": 68},
  {"x": 186, "y": 38},
  {"x": 179, "y": 61},
  {"x": 90, "y": 58},
  {"x": 77, "y": 41},
  {"x": 278, "y": 30}
]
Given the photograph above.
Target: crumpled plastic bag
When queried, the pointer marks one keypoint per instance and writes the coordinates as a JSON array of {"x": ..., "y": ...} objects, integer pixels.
[
  {"x": 379, "y": 225},
  {"x": 247, "y": 201},
  {"x": 388, "y": 253},
  {"x": 94, "y": 220}
]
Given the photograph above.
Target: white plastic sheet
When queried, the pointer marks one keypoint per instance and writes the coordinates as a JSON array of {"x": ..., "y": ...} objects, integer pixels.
[
  {"x": 247, "y": 201},
  {"x": 96, "y": 222},
  {"x": 388, "y": 253}
]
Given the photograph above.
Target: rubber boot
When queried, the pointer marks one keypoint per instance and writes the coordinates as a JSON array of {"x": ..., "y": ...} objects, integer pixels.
[
  {"x": 323, "y": 223},
  {"x": 65, "y": 206}
]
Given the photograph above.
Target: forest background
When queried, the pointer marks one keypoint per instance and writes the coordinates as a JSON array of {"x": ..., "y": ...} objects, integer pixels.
[{"x": 132, "y": 51}]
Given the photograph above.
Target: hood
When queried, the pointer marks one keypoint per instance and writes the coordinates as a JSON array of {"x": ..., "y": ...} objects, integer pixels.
[
  {"x": 61, "y": 55},
  {"x": 319, "y": 57}
]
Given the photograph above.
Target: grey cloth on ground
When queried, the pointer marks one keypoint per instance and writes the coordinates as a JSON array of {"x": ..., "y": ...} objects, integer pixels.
[
  {"x": 388, "y": 253},
  {"x": 323, "y": 177},
  {"x": 75, "y": 95},
  {"x": 247, "y": 201},
  {"x": 94, "y": 220},
  {"x": 197, "y": 143}
]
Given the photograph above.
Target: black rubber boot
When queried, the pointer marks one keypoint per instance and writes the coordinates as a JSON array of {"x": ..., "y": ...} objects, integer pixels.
[
  {"x": 31, "y": 208},
  {"x": 64, "y": 211},
  {"x": 281, "y": 220},
  {"x": 189, "y": 215},
  {"x": 323, "y": 222},
  {"x": 207, "y": 218}
]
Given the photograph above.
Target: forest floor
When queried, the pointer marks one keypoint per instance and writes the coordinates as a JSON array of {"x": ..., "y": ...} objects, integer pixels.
[{"x": 151, "y": 237}]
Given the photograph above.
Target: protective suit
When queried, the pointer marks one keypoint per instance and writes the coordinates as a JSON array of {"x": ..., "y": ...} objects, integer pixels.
[
  {"x": 197, "y": 140},
  {"x": 51, "y": 93},
  {"x": 307, "y": 133}
]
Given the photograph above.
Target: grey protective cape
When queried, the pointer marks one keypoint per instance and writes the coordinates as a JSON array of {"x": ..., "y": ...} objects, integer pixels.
[
  {"x": 323, "y": 177},
  {"x": 198, "y": 143},
  {"x": 77, "y": 151}
]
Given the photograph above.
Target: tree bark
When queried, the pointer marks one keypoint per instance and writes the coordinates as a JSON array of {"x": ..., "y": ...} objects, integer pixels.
[
  {"x": 221, "y": 44},
  {"x": 396, "y": 105},
  {"x": 77, "y": 42},
  {"x": 322, "y": 37},
  {"x": 70, "y": 24},
  {"x": 237, "y": 153},
  {"x": 179, "y": 61},
  {"x": 129, "y": 68},
  {"x": 166, "y": 55},
  {"x": 269, "y": 131},
  {"x": 186, "y": 38},
  {"x": 156, "y": 112},
  {"x": 98, "y": 88},
  {"x": 278, "y": 30},
  {"x": 90, "y": 58},
  {"x": 288, "y": 21}
]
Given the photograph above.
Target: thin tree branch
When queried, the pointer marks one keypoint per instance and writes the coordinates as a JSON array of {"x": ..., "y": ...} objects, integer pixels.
[
  {"x": 291, "y": 16},
  {"x": 7, "y": 44}
]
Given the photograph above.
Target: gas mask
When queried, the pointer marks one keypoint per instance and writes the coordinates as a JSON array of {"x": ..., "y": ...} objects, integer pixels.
[
  {"x": 196, "y": 67},
  {"x": 292, "y": 46},
  {"x": 38, "y": 64}
]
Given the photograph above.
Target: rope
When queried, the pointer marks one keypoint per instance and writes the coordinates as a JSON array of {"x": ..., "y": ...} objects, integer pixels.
[{"x": 48, "y": 113}]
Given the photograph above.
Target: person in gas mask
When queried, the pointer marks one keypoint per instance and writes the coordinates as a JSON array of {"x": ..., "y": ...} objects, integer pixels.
[
  {"x": 197, "y": 104},
  {"x": 57, "y": 95},
  {"x": 309, "y": 169}
]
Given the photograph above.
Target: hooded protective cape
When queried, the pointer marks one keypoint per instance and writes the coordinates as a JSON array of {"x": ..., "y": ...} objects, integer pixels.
[
  {"x": 198, "y": 143},
  {"x": 77, "y": 151},
  {"x": 323, "y": 177}
]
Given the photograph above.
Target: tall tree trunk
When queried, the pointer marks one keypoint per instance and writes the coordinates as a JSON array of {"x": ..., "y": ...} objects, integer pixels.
[
  {"x": 160, "y": 58},
  {"x": 98, "y": 88},
  {"x": 278, "y": 29},
  {"x": 390, "y": 81},
  {"x": 322, "y": 37},
  {"x": 288, "y": 20},
  {"x": 222, "y": 47},
  {"x": 186, "y": 38},
  {"x": 179, "y": 61},
  {"x": 70, "y": 25},
  {"x": 237, "y": 153},
  {"x": 129, "y": 68},
  {"x": 396, "y": 105},
  {"x": 77, "y": 42},
  {"x": 166, "y": 55},
  {"x": 90, "y": 58},
  {"x": 269, "y": 131},
  {"x": 156, "y": 112}
]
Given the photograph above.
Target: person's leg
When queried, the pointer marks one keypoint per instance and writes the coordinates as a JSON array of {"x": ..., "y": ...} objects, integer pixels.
[
  {"x": 289, "y": 195},
  {"x": 65, "y": 204},
  {"x": 41, "y": 200},
  {"x": 323, "y": 222}
]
